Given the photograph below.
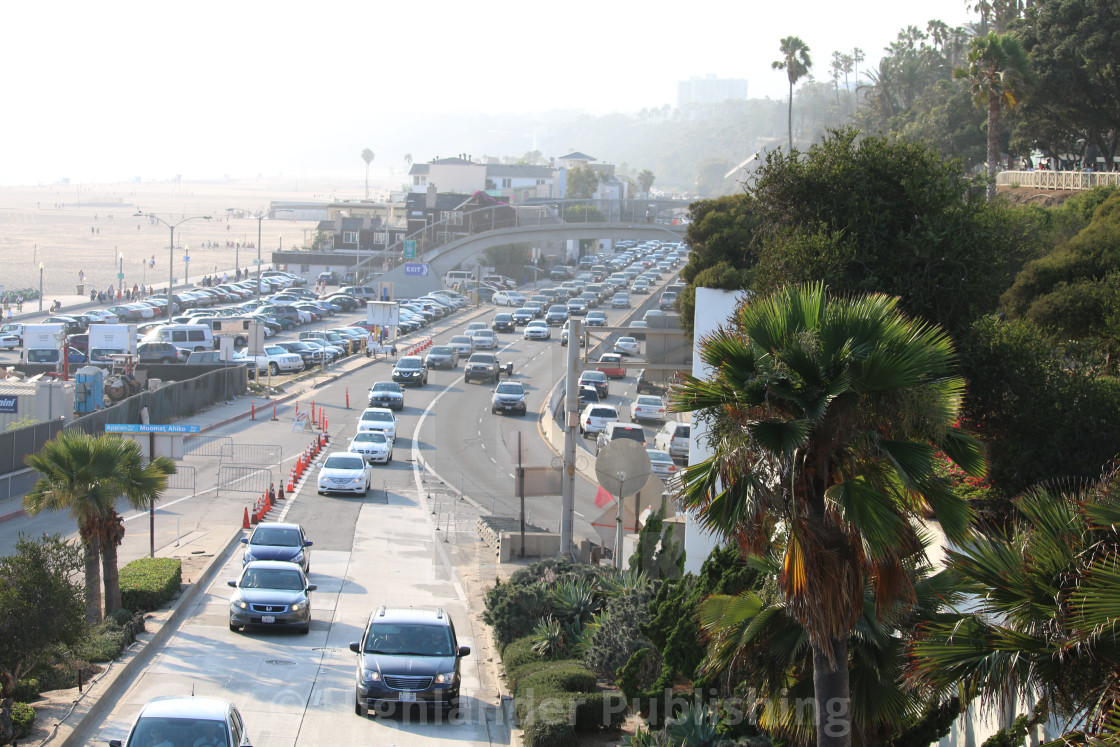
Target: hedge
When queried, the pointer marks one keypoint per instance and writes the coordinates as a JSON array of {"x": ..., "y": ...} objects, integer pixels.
[
  {"x": 26, "y": 690},
  {"x": 520, "y": 652},
  {"x": 149, "y": 583},
  {"x": 564, "y": 676},
  {"x": 23, "y": 718}
]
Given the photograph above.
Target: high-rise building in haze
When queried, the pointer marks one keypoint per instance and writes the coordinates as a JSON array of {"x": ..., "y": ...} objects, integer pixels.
[{"x": 709, "y": 90}]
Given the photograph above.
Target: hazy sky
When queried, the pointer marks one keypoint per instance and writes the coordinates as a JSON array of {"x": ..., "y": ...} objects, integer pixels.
[{"x": 115, "y": 90}]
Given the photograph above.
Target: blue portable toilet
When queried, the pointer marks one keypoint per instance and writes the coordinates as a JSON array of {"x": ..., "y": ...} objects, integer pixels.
[{"x": 89, "y": 389}]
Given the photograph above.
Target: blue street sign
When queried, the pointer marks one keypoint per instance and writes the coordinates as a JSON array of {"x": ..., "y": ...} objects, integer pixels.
[
  {"x": 420, "y": 270},
  {"x": 129, "y": 428}
]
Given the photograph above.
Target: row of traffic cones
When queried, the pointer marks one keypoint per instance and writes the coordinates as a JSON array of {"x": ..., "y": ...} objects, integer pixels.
[
  {"x": 263, "y": 505},
  {"x": 304, "y": 460}
]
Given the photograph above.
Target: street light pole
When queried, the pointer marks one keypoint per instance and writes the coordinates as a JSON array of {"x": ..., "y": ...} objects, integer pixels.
[
  {"x": 40, "y": 286},
  {"x": 120, "y": 275},
  {"x": 171, "y": 255}
]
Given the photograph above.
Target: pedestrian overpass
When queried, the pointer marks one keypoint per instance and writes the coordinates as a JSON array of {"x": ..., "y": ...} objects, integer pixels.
[{"x": 441, "y": 259}]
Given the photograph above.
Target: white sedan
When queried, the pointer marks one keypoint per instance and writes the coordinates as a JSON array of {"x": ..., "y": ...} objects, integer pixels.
[
  {"x": 661, "y": 464},
  {"x": 647, "y": 407},
  {"x": 538, "y": 329},
  {"x": 344, "y": 472},
  {"x": 374, "y": 446},
  {"x": 626, "y": 346}
]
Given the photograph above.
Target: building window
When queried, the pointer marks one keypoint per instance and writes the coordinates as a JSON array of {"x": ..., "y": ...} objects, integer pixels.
[
  {"x": 349, "y": 237},
  {"x": 540, "y": 182},
  {"x": 451, "y": 218},
  {"x": 419, "y": 180},
  {"x": 305, "y": 269},
  {"x": 507, "y": 183},
  {"x": 381, "y": 238}
]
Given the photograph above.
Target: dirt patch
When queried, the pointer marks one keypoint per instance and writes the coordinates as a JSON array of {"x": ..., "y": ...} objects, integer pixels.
[{"x": 1033, "y": 196}]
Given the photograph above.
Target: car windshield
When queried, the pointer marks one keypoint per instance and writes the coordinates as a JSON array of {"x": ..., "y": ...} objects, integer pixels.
[
  {"x": 379, "y": 416},
  {"x": 272, "y": 578},
  {"x": 405, "y": 638},
  {"x": 386, "y": 386},
  {"x": 658, "y": 456},
  {"x": 276, "y": 536},
  {"x": 461, "y": 339},
  {"x": 656, "y": 401},
  {"x": 372, "y": 437},
  {"x": 510, "y": 388},
  {"x": 440, "y": 350},
  {"x": 593, "y": 376},
  {"x": 155, "y": 730},
  {"x": 409, "y": 363},
  {"x": 343, "y": 461}
]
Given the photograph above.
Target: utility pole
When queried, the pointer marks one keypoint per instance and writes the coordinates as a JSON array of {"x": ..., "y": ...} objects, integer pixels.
[{"x": 571, "y": 423}]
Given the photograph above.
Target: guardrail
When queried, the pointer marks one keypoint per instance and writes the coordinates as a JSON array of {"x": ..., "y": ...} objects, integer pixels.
[{"x": 1057, "y": 179}]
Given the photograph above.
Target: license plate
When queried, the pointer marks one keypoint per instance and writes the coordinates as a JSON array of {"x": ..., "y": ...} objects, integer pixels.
[
  {"x": 268, "y": 619},
  {"x": 408, "y": 697}
]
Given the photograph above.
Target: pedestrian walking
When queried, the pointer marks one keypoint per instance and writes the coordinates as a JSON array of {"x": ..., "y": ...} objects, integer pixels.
[{"x": 19, "y": 303}]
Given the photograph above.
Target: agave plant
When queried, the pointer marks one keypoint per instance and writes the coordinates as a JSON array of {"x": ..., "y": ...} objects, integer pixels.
[
  {"x": 548, "y": 639},
  {"x": 575, "y": 600},
  {"x": 696, "y": 727},
  {"x": 623, "y": 580}
]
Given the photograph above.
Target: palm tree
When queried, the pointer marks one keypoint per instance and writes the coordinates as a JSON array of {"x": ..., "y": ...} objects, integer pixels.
[
  {"x": 826, "y": 415},
  {"x": 998, "y": 69},
  {"x": 85, "y": 475},
  {"x": 408, "y": 158},
  {"x": 795, "y": 61},
  {"x": 367, "y": 156},
  {"x": 754, "y": 640},
  {"x": 1045, "y": 604}
]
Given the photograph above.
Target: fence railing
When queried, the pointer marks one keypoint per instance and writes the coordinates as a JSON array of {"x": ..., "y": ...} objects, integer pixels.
[{"x": 1057, "y": 179}]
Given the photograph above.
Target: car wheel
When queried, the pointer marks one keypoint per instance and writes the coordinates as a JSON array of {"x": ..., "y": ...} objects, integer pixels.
[
  {"x": 466, "y": 379},
  {"x": 235, "y": 628},
  {"x": 493, "y": 410},
  {"x": 365, "y": 492},
  {"x": 359, "y": 708},
  {"x": 273, "y": 369},
  {"x": 305, "y": 629},
  {"x": 165, "y": 360}
]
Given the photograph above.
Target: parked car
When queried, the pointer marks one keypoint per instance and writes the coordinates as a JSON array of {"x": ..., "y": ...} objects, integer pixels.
[
  {"x": 278, "y": 541},
  {"x": 159, "y": 352},
  {"x": 407, "y": 655},
  {"x": 271, "y": 593},
  {"x": 344, "y": 472}
]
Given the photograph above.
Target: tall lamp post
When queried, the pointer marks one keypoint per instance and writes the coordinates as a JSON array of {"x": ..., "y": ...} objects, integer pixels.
[
  {"x": 120, "y": 275},
  {"x": 171, "y": 256},
  {"x": 40, "y": 286}
]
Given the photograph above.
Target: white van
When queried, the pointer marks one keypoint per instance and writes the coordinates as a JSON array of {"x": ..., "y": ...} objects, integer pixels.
[
  {"x": 457, "y": 276},
  {"x": 187, "y": 337}
]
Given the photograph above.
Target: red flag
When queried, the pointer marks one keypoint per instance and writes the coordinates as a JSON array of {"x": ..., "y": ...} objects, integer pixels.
[{"x": 602, "y": 498}]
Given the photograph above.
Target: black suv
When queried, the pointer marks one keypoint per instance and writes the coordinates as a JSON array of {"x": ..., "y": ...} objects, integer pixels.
[
  {"x": 410, "y": 370},
  {"x": 503, "y": 322},
  {"x": 407, "y": 656}
]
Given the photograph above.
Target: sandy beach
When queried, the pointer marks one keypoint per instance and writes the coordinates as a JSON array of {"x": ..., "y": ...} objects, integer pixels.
[{"x": 71, "y": 228}]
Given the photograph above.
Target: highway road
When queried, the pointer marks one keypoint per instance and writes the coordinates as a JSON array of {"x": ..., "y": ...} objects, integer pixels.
[{"x": 401, "y": 545}]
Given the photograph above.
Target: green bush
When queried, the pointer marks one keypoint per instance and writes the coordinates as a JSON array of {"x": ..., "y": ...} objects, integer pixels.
[
  {"x": 149, "y": 583},
  {"x": 599, "y": 710},
  {"x": 104, "y": 641},
  {"x": 543, "y": 732},
  {"x": 618, "y": 634},
  {"x": 513, "y": 610},
  {"x": 520, "y": 652},
  {"x": 59, "y": 668},
  {"x": 26, "y": 690},
  {"x": 564, "y": 676},
  {"x": 23, "y": 718}
]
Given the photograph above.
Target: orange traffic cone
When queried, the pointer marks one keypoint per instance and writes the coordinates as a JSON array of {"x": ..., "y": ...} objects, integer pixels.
[
  {"x": 280, "y": 492},
  {"x": 245, "y": 521},
  {"x": 267, "y": 503}
]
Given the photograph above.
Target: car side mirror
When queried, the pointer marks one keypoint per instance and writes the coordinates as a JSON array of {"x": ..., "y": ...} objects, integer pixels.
[
  {"x": 355, "y": 647},
  {"x": 231, "y": 583},
  {"x": 115, "y": 743},
  {"x": 244, "y": 540},
  {"x": 312, "y": 587},
  {"x": 308, "y": 543},
  {"x": 464, "y": 651}
]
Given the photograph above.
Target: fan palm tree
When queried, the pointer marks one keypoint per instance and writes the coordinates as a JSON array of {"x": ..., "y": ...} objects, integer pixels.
[
  {"x": 1045, "y": 604},
  {"x": 85, "y": 475},
  {"x": 826, "y": 415},
  {"x": 753, "y": 638},
  {"x": 367, "y": 156},
  {"x": 998, "y": 70},
  {"x": 795, "y": 61}
]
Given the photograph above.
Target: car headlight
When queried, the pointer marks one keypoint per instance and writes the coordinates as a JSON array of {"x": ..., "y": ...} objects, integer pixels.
[
  {"x": 371, "y": 675},
  {"x": 249, "y": 557},
  {"x": 298, "y": 606},
  {"x": 445, "y": 678},
  {"x": 239, "y": 603}
]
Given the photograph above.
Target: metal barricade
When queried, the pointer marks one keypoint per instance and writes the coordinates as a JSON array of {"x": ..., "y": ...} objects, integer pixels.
[{"x": 243, "y": 478}]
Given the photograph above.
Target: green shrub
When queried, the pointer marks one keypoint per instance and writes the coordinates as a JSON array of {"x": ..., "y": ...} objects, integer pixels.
[
  {"x": 149, "y": 583},
  {"x": 520, "y": 652},
  {"x": 541, "y": 732},
  {"x": 618, "y": 633},
  {"x": 599, "y": 710},
  {"x": 59, "y": 668},
  {"x": 23, "y": 718},
  {"x": 26, "y": 690},
  {"x": 513, "y": 610},
  {"x": 564, "y": 676},
  {"x": 105, "y": 641}
]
